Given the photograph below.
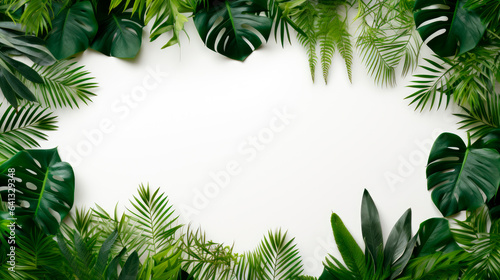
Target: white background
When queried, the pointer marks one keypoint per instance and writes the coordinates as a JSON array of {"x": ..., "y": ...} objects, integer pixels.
[{"x": 343, "y": 138}]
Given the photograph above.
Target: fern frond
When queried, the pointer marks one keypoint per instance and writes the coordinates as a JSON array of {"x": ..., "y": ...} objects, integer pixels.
[
  {"x": 64, "y": 85},
  {"x": 155, "y": 217},
  {"x": 280, "y": 257},
  {"x": 482, "y": 117},
  {"x": 306, "y": 17},
  {"x": 21, "y": 130}
]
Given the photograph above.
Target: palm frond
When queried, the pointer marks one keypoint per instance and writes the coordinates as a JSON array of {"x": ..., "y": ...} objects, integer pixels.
[
  {"x": 154, "y": 215},
  {"x": 387, "y": 37},
  {"x": 482, "y": 117},
  {"x": 129, "y": 236},
  {"x": 21, "y": 130},
  {"x": 206, "y": 259},
  {"x": 468, "y": 79},
  {"x": 64, "y": 85},
  {"x": 280, "y": 257},
  {"x": 436, "y": 266},
  {"x": 36, "y": 14}
]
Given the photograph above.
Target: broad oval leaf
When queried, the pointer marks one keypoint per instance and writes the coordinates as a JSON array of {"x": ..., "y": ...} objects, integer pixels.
[
  {"x": 44, "y": 186},
  {"x": 228, "y": 27},
  {"x": 462, "y": 28},
  {"x": 120, "y": 35},
  {"x": 435, "y": 235},
  {"x": 72, "y": 30},
  {"x": 370, "y": 227},
  {"x": 459, "y": 176}
]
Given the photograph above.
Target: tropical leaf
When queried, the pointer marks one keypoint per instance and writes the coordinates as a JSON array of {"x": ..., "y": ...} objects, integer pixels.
[
  {"x": 154, "y": 215},
  {"x": 437, "y": 265},
  {"x": 370, "y": 227},
  {"x": 459, "y": 176},
  {"x": 351, "y": 252},
  {"x": 21, "y": 130},
  {"x": 387, "y": 39},
  {"x": 169, "y": 17},
  {"x": 435, "y": 235},
  {"x": 280, "y": 257},
  {"x": 236, "y": 41},
  {"x": 282, "y": 20},
  {"x": 463, "y": 28},
  {"x": 334, "y": 34},
  {"x": 64, "y": 85},
  {"x": 72, "y": 30},
  {"x": 44, "y": 184},
  {"x": 482, "y": 117},
  {"x": 119, "y": 33},
  {"x": 306, "y": 16}
]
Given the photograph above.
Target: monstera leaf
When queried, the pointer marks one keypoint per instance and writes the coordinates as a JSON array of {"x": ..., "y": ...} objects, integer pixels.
[
  {"x": 460, "y": 175},
  {"x": 463, "y": 28},
  {"x": 44, "y": 186},
  {"x": 224, "y": 26},
  {"x": 120, "y": 35},
  {"x": 435, "y": 235},
  {"x": 72, "y": 30}
]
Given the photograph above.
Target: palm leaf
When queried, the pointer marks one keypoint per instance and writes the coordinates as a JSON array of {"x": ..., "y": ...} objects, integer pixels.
[
  {"x": 482, "y": 117},
  {"x": 64, "y": 85},
  {"x": 21, "y": 130},
  {"x": 154, "y": 215},
  {"x": 280, "y": 257}
]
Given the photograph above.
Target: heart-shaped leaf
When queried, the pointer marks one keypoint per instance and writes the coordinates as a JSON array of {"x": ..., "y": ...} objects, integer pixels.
[
  {"x": 462, "y": 28},
  {"x": 72, "y": 30},
  {"x": 229, "y": 27},
  {"x": 120, "y": 35},
  {"x": 44, "y": 186},
  {"x": 459, "y": 176}
]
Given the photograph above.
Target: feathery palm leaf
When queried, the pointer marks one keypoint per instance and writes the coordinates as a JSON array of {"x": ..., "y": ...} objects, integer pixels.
[
  {"x": 280, "y": 257},
  {"x": 64, "y": 85},
  {"x": 21, "y": 130},
  {"x": 306, "y": 17},
  {"x": 387, "y": 36},
  {"x": 482, "y": 117},
  {"x": 155, "y": 217}
]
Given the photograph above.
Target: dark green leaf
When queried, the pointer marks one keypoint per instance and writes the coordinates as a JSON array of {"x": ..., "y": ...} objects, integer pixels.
[
  {"x": 463, "y": 28},
  {"x": 398, "y": 239},
  {"x": 370, "y": 226},
  {"x": 45, "y": 186},
  {"x": 72, "y": 30},
  {"x": 460, "y": 175},
  {"x": 435, "y": 235},
  {"x": 237, "y": 40},
  {"x": 120, "y": 35},
  {"x": 130, "y": 268}
]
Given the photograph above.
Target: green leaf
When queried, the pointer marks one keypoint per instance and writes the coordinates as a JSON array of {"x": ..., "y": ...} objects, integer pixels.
[
  {"x": 236, "y": 40},
  {"x": 435, "y": 235},
  {"x": 460, "y": 175},
  {"x": 45, "y": 186},
  {"x": 72, "y": 30},
  {"x": 130, "y": 268},
  {"x": 398, "y": 239},
  {"x": 351, "y": 252},
  {"x": 20, "y": 130},
  {"x": 119, "y": 35},
  {"x": 280, "y": 257},
  {"x": 370, "y": 226},
  {"x": 463, "y": 28},
  {"x": 102, "y": 258}
]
